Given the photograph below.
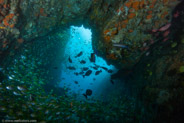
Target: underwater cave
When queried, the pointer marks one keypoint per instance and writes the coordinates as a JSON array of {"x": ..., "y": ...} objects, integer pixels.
[{"x": 96, "y": 61}]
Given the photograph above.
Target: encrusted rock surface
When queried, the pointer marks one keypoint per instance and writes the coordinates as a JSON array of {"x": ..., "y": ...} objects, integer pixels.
[
  {"x": 158, "y": 79},
  {"x": 129, "y": 23}
]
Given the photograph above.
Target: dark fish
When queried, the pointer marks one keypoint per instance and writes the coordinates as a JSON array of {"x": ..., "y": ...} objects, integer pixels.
[
  {"x": 92, "y": 58},
  {"x": 55, "y": 67},
  {"x": 112, "y": 81},
  {"x": 76, "y": 82},
  {"x": 76, "y": 73},
  {"x": 85, "y": 68},
  {"x": 95, "y": 50},
  {"x": 97, "y": 65},
  {"x": 95, "y": 68},
  {"x": 87, "y": 73},
  {"x": 82, "y": 72},
  {"x": 109, "y": 71},
  {"x": 88, "y": 93},
  {"x": 98, "y": 72},
  {"x": 71, "y": 68},
  {"x": 104, "y": 68},
  {"x": 78, "y": 55},
  {"x": 70, "y": 60},
  {"x": 83, "y": 62}
]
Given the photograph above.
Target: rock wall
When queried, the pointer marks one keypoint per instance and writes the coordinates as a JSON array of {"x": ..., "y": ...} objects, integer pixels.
[
  {"x": 124, "y": 29},
  {"x": 158, "y": 79}
]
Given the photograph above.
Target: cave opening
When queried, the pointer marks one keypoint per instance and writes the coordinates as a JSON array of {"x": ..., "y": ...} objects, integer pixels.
[{"x": 79, "y": 72}]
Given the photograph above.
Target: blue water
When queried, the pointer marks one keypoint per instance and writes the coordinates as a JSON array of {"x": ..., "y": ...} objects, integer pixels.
[{"x": 81, "y": 40}]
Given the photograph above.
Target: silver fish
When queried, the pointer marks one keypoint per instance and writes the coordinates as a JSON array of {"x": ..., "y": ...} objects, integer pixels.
[
  {"x": 21, "y": 88},
  {"x": 120, "y": 45},
  {"x": 9, "y": 88},
  {"x": 15, "y": 93}
]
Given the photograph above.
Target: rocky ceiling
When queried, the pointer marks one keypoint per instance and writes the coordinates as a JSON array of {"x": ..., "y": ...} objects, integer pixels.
[
  {"x": 123, "y": 30},
  {"x": 144, "y": 37}
]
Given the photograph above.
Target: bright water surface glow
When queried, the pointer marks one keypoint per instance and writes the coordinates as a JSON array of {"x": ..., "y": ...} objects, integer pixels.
[{"x": 81, "y": 40}]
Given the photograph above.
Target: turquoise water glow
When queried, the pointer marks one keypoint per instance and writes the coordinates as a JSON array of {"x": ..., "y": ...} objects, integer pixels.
[{"x": 81, "y": 40}]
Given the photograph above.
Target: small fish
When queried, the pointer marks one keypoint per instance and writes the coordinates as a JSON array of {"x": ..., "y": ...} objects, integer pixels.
[
  {"x": 31, "y": 98},
  {"x": 78, "y": 55},
  {"x": 154, "y": 30},
  {"x": 15, "y": 93},
  {"x": 21, "y": 88},
  {"x": 76, "y": 73},
  {"x": 55, "y": 67},
  {"x": 82, "y": 72},
  {"x": 9, "y": 88},
  {"x": 164, "y": 28},
  {"x": 104, "y": 68},
  {"x": 92, "y": 58},
  {"x": 95, "y": 51},
  {"x": 83, "y": 62},
  {"x": 144, "y": 44},
  {"x": 120, "y": 45},
  {"x": 98, "y": 72},
  {"x": 10, "y": 77},
  {"x": 76, "y": 82},
  {"x": 71, "y": 68},
  {"x": 85, "y": 68},
  {"x": 87, "y": 73},
  {"x": 2, "y": 108},
  {"x": 95, "y": 68},
  {"x": 33, "y": 115},
  {"x": 166, "y": 33},
  {"x": 70, "y": 60},
  {"x": 165, "y": 39},
  {"x": 147, "y": 54},
  {"x": 47, "y": 111},
  {"x": 33, "y": 103},
  {"x": 57, "y": 113},
  {"x": 88, "y": 93},
  {"x": 112, "y": 81},
  {"x": 109, "y": 71}
]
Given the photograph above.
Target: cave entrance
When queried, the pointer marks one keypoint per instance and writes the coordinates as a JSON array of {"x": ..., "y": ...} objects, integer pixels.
[{"x": 77, "y": 58}]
